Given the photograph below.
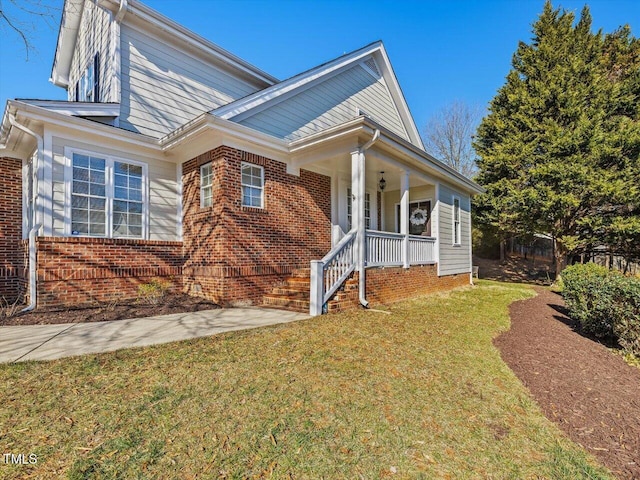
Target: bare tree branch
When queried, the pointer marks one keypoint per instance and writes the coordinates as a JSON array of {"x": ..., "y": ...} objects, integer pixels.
[
  {"x": 448, "y": 137},
  {"x": 23, "y": 17}
]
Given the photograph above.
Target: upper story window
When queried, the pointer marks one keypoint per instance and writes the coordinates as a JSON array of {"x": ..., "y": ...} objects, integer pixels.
[
  {"x": 88, "y": 85},
  {"x": 206, "y": 185},
  {"x": 252, "y": 185},
  {"x": 456, "y": 221},
  {"x": 107, "y": 197}
]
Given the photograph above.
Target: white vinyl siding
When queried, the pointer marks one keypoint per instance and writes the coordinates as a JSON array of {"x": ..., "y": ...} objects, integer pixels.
[
  {"x": 334, "y": 101},
  {"x": 164, "y": 87},
  {"x": 161, "y": 185},
  {"x": 94, "y": 37},
  {"x": 454, "y": 258}
]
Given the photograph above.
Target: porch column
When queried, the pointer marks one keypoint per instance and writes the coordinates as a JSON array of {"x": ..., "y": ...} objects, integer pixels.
[
  {"x": 404, "y": 216},
  {"x": 357, "y": 208}
]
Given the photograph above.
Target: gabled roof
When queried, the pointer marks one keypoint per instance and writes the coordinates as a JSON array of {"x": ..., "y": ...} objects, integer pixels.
[
  {"x": 298, "y": 83},
  {"x": 70, "y": 24}
]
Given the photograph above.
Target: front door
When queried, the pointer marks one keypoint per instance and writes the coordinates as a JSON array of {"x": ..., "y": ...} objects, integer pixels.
[{"x": 419, "y": 218}]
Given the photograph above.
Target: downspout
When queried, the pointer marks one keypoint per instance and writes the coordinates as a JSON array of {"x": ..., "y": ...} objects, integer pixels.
[
  {"x": 361, "y": 250},
  {"x": 121, "y": 10},
  {"x": 36, "y": 226}
]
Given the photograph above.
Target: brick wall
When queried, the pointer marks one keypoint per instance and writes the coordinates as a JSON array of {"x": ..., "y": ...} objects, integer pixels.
[
  {"x": 11, "y": 251},
  {"x": 81, "y": 271},
  {"x": 385, "y": 285},
  {"x": 238, "y": 253}
]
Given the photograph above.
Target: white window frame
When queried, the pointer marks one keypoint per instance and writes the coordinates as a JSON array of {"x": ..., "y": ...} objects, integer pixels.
[
  {"x": 261, "y": 188},
  {"x": 203, "y": 185},
  {"x": 110, "y": 160},
  {"x": 456, "y": 230},
  {"x": 367, "y": 219}
]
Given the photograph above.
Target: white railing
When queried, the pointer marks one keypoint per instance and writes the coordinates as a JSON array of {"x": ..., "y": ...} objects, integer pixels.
[
  {"x": 328, "y": 274},
  {"x": 421, "y": 250},
  {"x": 387, "y": 249},
  {"x": 384, "y": 248}
]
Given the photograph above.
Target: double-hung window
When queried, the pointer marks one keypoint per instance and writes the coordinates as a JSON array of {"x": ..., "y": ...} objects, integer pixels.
[
  {"x": 88, "y": 86},
  {"x": 456, "y": 221},
  {"x": 367, "y": 210},
  {"x": 252, "y": 185},
  {"x": 206, "y": 185},
  {"x": 107, "y": 197}
]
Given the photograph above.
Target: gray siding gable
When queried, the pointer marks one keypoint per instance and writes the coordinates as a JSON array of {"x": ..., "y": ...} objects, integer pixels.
[{"x": 333, "y": 101}]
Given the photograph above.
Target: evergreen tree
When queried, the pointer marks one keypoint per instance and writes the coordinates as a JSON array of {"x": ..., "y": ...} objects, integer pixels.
[{"x": 554, "y": 157}]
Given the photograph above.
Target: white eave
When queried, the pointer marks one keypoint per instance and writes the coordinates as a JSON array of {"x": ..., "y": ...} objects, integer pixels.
[
  {"x": 77, "y": 109},
  {"x": 67, "y": 36}
]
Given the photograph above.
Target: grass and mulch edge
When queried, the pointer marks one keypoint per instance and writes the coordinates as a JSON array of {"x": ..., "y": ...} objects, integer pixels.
[{"x": 419, "y": 393}]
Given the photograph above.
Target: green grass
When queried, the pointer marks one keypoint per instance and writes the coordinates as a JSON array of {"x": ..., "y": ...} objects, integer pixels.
[{"x": 420, "y": 393}]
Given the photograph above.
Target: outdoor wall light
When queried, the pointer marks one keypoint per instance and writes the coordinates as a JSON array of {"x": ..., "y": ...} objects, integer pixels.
[{"x": 383, "y": 182}]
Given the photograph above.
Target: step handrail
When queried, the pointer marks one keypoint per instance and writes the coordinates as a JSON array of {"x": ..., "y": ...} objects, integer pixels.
[{"x": 328, "y": 274}]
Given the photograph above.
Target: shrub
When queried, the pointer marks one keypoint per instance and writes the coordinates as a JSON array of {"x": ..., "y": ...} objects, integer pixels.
[
  {"x": 154, "y": 291},
  {"x": 605, "y": 302},
  {"x": 626, "y": 325},
  {"x": 589, "y": 293}
]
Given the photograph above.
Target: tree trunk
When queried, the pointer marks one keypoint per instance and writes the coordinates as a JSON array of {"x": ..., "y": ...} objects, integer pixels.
[
  {"x": 560, "y": 258},
  {"x": 503, "y": 245}
]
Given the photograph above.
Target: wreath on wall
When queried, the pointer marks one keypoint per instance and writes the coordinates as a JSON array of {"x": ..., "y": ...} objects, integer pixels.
[{"x": 419, "y": 216}]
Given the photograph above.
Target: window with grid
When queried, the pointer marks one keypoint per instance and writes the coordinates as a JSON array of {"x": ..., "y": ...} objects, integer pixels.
[
  {"x": 456, "y": 221},
  {"x": 88, "y": 197},
  {"x": 206, "y": 185},
  {"x": 252, "y": 185},
  {"x": 107, "y": 197},
  {"x": 127, "y": 200},
  {"x": 367, "y": 210}
]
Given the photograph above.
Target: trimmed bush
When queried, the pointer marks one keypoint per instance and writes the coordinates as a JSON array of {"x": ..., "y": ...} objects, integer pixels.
[
  {"x": 626, "y": 326},
  {"x": 605, "y": 302}
]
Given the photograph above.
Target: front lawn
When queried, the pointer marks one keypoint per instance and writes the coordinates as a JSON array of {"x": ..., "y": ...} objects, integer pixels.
[{"x": 419, "y": 393}]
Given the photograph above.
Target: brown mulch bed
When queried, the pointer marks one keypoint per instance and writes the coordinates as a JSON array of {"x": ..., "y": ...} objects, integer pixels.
[
  {"x": 590, "y": 392},
  {"x": 171, "y": 303}
]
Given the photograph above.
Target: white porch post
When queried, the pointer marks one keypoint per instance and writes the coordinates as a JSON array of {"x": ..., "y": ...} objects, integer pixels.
[
  {"x": 357, "y": 206},
  {"x": 404, "y": 216}
]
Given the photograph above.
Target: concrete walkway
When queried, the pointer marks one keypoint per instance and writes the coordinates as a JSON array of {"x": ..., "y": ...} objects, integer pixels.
[{"x": 48, "y": 342}]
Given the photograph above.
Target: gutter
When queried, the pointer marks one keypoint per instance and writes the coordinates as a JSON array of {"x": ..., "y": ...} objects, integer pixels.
[
  {"x": 36, "y": 226},
  {"x": 361, "y": 249}
]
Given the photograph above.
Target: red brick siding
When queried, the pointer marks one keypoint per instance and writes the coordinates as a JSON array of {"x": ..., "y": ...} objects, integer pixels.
[
  {"x": 79, "y": 271},
  {"x": 385, "y": 285},
  {"x": 238, "y": 253},
  {"x": 11, "y": 252}
]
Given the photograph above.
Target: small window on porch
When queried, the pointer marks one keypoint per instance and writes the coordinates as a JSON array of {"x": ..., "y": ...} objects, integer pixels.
[
  {"x": 419, "y": 218},
  {"x": 367, "y": 210},
  {"x": 206, "y": 185}
]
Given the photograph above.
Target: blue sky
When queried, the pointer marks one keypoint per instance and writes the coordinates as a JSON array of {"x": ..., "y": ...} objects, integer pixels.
[{"x": 441, "y": 51}]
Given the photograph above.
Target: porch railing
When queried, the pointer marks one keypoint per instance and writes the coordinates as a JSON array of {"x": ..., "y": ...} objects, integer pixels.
[
  {"x": 387, "y": 249},
  {"x": 329, "y": 273}
]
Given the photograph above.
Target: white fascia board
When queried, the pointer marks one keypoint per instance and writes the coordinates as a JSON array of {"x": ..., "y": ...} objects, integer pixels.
[
  {"x": 295, "y": 83},
  {"x": 223, "y": 127},
  {"x": 78, "y": 109},
  {"x": 67, "y": 37},
  {"x": 81, "y": 125},
  {"x": 398, "y": 97},
  {"x": 177, "y": 31}
]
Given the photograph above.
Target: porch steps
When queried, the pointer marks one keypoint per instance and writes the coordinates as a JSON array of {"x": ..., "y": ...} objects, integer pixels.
[{"x": 293, "y": 294}]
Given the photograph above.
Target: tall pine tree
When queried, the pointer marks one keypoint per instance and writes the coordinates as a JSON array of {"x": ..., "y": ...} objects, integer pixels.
[{"x": 551, "y": 152}]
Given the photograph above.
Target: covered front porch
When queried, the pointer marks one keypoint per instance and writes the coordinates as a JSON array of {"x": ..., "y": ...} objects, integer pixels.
[{"x": 384, "y": 213}]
